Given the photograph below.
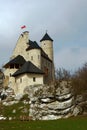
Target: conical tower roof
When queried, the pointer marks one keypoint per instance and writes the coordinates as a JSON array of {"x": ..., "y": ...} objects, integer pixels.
[{"x": 46, "y": 37}]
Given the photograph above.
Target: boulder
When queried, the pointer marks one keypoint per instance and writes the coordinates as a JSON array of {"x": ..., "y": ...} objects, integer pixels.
[{"x": 77, "y": 110}]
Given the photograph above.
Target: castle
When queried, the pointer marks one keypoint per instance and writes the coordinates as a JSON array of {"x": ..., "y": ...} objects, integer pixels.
[{"x": 30, "y": 64}]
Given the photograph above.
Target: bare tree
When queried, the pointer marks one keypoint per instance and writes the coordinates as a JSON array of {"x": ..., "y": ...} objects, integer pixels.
[
  {"x": 62, "y": 74},
  {"x": 79, "y": 80}
]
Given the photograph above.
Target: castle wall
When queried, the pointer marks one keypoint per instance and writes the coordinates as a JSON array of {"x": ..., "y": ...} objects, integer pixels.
[
  {"x": 21, "y": 46},
  {"x": 46, "y": 67},
  {"x": 8, "y": 73},
  {"x": 35, "y": 57},
  {"x": 25, "y": 80}
]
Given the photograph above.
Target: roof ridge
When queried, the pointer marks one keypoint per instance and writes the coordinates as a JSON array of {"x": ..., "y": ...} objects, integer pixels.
[
  {"x": 28, "y": 67},
  {"x": 19, "y": 59},
  {"x": 46, "y": 37},
  {"x": 33, "y": 45}
]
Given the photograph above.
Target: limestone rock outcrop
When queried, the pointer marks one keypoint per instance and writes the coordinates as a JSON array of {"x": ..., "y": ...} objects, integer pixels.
[{"x": 49, "y": 103}]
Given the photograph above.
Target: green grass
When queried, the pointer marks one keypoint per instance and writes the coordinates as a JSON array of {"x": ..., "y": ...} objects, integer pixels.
[
  {"x": 61, "y": 124},
  {"x": 7, "y": 111}
]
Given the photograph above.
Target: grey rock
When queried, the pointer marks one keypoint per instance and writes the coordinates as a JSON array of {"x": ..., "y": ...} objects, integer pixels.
[{"x": 77, "y": 110}]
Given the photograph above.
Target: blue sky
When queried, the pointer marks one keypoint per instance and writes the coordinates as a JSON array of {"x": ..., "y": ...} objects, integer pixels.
[{"x": 65, "y": 20}]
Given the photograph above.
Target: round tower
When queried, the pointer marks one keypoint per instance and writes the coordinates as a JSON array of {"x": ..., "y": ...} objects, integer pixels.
[{"x": 47, "y": 46}]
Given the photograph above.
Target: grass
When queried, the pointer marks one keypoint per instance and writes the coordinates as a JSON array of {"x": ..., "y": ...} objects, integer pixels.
[
  {"x": 61, "y": 124},
  {"x": 7, "y": 111},
  {"x": 20, "y": 109}
]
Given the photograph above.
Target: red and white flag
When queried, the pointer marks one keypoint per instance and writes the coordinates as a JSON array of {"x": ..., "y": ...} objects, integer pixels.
[{"x": 22, "y": 27}]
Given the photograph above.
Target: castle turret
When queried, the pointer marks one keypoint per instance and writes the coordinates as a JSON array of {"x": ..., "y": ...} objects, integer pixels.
[{"x": 47, "y": 46}]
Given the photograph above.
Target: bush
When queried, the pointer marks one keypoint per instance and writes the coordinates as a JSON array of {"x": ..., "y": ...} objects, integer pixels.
[{"x": 25, "y": 97}]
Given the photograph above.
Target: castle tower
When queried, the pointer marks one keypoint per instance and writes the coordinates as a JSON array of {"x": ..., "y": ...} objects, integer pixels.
[
  {"x": 47, "y": 46},
  {"x": 21, "y": 45},
  {"x": 34, "y": 53}
]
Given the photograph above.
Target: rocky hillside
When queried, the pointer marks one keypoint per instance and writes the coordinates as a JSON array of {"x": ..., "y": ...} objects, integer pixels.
[
  {"x": 41, "y": 102},
  {"x": 49, "y": 103}
]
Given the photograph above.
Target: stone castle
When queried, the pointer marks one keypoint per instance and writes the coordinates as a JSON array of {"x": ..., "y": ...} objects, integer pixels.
[{"x": 30, "y": 64}]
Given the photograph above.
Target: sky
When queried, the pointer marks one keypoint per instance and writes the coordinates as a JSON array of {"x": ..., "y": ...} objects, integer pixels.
[{"x": 64, "y": 20}]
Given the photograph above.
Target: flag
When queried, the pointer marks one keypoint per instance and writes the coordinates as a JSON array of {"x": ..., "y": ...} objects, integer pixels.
[{"x": 22, "y": 27}]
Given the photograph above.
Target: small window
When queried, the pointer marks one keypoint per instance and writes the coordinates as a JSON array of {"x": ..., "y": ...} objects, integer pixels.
[
  {"x": 11, "y": 66},
  {"x": 46, "y": 71},
  {"x": 31, "y": 57},
  {"x": 34, "y": 79},
  {"x": 48, "y": 64},
  {"x": 15, "y": 80},
  {"x": 20, "y": 80},
  {"x": 17, "y": 66},
  {"x": 38, "y": 56},
  {"x": 38, "y": 66}
]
